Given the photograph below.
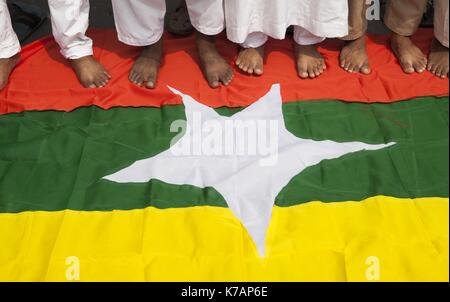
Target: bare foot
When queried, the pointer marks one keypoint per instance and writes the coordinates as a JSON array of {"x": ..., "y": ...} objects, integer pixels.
[
  {"x": 251, "y": 60},
  {"x": 145, "y": 69},
  {"x": 410, "y": 57},
  {"x": 90, "y": 72},
  {"x": 214, "y": 66},
  {"x": 310, "y": 62},
  {"x": 438, "y": 60},
  {"x": 6, "y": 67},
  {"x": 354, "y": 56}
]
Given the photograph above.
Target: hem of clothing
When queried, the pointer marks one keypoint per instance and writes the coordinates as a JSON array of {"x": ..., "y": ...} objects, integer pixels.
[
  {"x": 255, "y": 40},
  {"x": 318, "y": 40},
  {"x": 78, "y": 52},
  {"x": 252, "y": 45},
  {"x": 441, "y": 34},
  {"x": 353, "y": 36},
  {"x": 10, "y": 51},
  {"x": 140, "y": 42},
  {"x": 326, "y": 30},
  {"x": 443, "y": 41},
  {"x": 301, "y": 37},
  {"x": 208, "y": 31}
]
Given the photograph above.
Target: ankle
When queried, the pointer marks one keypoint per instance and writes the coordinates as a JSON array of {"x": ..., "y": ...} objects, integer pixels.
[
  {"x": 152, "y": 52},
  {"x": 14, "y": 58},
  {"x": 360, "y": 42},
  {"x": 206, "y": 43},
  {"x": 399, "y": 39},
  {"x": 436, "y": 45},
  {"x": 82, "y": 60},
  {"x": 306, "y": 48}
]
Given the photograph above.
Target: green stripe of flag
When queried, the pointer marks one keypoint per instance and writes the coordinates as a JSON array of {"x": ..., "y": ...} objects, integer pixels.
[{"x": 54, "y": 160}]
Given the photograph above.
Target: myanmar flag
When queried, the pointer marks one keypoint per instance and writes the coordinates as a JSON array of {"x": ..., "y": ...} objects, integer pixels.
[{"x": 89, "y": 190}]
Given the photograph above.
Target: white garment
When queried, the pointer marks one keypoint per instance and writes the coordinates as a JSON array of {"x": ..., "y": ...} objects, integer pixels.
[
  {"x": 314, "y": 20},
  {"x": 70, "y": 20},
  {"x": 9, "y": 43},
  {"x": 207, "y": 16},
  {"x": 301, "y": 37},
  {"x": 441, "y": 21},
  {"x": 141, "y": 22}
]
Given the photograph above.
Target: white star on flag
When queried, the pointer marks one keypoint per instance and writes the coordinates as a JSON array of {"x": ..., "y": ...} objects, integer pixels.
[{"x": 249, "y": 182}]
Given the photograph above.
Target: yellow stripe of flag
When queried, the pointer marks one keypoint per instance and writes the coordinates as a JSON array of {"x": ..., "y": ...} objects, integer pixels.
[{"x": 379, "y": 239}]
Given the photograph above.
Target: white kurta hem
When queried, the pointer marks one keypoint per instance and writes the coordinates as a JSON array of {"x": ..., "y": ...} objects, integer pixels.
[
  {"x": 320, "y": 18},
  {"x": 140, "y": 42},
  {"x": 441, "y": 12},
  {"x": 70, "y": 21},
  {"x": 78, "y": 51},
  {"x": 207, "y": 16},
  {"x": 139, "y": 22},
  {"x": 9, "y": 43}
]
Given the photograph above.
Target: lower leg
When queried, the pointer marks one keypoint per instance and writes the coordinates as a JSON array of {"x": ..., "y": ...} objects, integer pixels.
[{"x": 9, "y": 45}]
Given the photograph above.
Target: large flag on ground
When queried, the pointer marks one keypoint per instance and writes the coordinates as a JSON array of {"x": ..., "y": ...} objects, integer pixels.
[{"x": 373, "y": 207}]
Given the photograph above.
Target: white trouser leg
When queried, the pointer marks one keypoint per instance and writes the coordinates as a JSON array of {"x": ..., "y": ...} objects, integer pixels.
[
  {"x": 70, "y": 20},
  {"x": 255, "y": 40},
  {"x": 139, "y": 22},
  {"x": 305, "y": 37},
  {"x": 207, "y": 16},
  {"x": 9, "y": 43},
  {"x": 441, "y": 21}
]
